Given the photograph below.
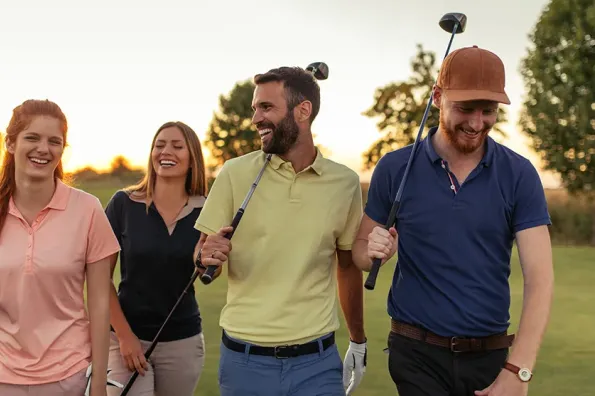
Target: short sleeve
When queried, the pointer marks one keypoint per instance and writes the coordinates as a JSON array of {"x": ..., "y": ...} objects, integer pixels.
[
  {"x": 379, "y": 203},
  {"x": 218, "y": 208},
  {"x": 354, "y": 217},
  {"x": 113, "y": 211},
  {"x": 101, "y": 240},
  {"x": 530, "y": 206}
]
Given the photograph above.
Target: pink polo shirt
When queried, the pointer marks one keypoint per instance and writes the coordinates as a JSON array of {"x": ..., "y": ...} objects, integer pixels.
[{"x": 44, "y": 327}]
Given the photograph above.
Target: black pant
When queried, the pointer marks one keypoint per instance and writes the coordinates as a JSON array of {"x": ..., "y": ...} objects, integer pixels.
[{"x": 421, "y": 369}]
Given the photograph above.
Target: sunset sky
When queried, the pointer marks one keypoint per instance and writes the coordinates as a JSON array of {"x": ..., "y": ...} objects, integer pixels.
[{"x": 120, "y": 69}]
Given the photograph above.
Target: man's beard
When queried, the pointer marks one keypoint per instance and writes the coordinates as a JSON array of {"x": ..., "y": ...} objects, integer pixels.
[
  {"x": 462, "y": 147},
  {"x": 283, "y": 136}
]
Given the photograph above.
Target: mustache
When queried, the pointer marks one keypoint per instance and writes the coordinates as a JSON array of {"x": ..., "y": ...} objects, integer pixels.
[{"x": 265, "y": 124}]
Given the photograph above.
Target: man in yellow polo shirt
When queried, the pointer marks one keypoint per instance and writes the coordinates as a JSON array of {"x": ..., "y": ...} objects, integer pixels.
[{"x": 290, "y": 256}]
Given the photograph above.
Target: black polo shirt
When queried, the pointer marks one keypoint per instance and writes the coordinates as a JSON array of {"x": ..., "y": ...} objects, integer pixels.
[{"x": 156, "y": 264}]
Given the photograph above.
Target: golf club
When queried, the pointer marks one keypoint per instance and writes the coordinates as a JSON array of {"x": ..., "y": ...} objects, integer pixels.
[
  {"x": 207, "y": 276},
  {"x": 320, "y": 72},
  {"x": 319, "y": 69},
  {"x": 453, "y": 23}
]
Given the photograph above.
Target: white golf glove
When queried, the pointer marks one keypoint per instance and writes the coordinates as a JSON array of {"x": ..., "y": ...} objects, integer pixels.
[{"x": 354, "y": 366}]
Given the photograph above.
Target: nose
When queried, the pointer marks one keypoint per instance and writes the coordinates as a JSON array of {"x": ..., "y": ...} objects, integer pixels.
[
  {"x": 42, "y": 146},
  {"x": 257, "y": 117},
  {"x": 476, "y": 121}
]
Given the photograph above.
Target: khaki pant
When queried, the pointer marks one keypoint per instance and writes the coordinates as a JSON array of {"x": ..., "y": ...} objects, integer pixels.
[
  {"x": 174, "y": 368},
  {"x": 74, "y": 385}
]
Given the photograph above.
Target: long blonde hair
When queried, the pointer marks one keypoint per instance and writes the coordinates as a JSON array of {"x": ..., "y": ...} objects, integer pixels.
[{"x": 196, "y": 183}]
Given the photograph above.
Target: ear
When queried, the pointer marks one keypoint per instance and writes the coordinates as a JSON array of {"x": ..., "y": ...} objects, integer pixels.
[
  {"x": 303, "y": 111},
  {"x": 9, "y": 146},
  {"x": 437, "y": 95}
]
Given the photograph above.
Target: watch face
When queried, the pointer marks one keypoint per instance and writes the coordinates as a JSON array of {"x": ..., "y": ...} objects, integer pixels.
[{"x": 524, "y": 374}]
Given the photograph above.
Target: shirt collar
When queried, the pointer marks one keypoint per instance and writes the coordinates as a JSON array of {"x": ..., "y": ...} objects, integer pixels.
[
  {"x": 58, "y": 202},
  {"x": 434, "y": 157},
  {"x": 317, "y": 166}
]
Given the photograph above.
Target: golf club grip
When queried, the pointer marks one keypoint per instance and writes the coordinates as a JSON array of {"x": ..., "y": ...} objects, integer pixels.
[
  {"x": 371, "y": 280},
  {"x": 207, "y": 276},
  {"x": 392, "y": 216}
]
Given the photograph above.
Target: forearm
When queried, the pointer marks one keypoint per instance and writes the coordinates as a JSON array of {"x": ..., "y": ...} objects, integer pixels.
[
  {"x": 351, "y": 298},
  {"x": 360, "y": 255},
  {"x": 537, "y": 300},
  {"x": 99, "y": 317},
  {"x": 117, "y": 318}
]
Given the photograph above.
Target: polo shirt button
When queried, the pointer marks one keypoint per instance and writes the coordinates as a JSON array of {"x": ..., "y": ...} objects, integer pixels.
[
  {"x": 443, "y": 166},
  {"x": 30, "y": 232}
]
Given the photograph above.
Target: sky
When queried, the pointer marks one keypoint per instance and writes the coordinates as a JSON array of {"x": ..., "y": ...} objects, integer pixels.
[{"x": 120, "y": 69}]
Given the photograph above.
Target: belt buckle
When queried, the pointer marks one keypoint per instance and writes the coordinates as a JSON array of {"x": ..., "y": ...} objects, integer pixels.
[
  {"x": 453, "y": 344},
  {"x": 279, "y": 348}
]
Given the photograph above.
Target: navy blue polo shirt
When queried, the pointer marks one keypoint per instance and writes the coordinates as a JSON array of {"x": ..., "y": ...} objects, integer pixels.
[
  {"x": 155, "y": 268},
  {"x": 454, "y": 250}
]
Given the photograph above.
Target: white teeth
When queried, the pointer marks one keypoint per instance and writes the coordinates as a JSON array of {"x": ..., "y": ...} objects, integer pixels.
[
  {"x": 264, "y": 132},
  {"x": 39, "y": 161},
  {"x": 167, "y": 163}
]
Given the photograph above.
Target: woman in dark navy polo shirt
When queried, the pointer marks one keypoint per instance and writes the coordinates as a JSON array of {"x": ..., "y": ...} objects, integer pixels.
[{"x": 153, "y": 222}]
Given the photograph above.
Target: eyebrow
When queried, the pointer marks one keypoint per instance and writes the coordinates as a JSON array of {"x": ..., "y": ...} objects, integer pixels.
[
  {"x": 262, "y": 104},
  {"x": 37, "y": 134},
  {"x": 174, "y": 141}
]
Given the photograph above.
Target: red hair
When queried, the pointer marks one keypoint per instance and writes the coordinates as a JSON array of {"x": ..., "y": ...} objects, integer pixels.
[{"x": 22, "y": 116}]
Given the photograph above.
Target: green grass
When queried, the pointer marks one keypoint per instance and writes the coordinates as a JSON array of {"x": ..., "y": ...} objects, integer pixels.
[{"x": 565, "y": 363}]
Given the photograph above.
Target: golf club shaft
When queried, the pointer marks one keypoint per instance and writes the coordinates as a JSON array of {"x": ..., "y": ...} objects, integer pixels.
[
  {"x": 156, "y": 338},
  {"x": 207, "y": 276},
  {"x": 371, "y": 279}
]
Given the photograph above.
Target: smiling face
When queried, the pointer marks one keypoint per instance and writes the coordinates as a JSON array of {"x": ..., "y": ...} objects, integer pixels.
[
  {"x": 276, "y": 124},
  {"x": 170, "y": 156},
  {"x": 38, "y": 148},
  {"x": 466, "y": 124}
]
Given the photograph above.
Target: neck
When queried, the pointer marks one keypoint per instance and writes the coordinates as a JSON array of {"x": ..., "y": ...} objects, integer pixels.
[
  {"x": 170, "y": 190},
  {"x": 33, "y": 195},
  {"x": 450, "y": 154},
  {"x": 302, "y": 154}
]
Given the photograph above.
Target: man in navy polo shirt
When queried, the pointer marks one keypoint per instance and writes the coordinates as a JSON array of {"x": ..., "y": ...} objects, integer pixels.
[{"x": 466, "y": 200}]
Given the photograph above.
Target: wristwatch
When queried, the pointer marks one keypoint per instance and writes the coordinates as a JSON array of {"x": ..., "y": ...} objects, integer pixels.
[{"x": 524, "y": 374}]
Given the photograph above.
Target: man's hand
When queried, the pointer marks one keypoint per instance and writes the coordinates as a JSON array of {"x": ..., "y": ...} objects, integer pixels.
[
  {"x": 506, "y": 384},
  {"x": 354, "y": 366},
  {"x": 381, "y": 244},
  {"x": 216, "y": 248}
]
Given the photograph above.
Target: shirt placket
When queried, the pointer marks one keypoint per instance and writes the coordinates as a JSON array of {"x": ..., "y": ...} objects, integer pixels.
[{"x": 31, "y": 240}]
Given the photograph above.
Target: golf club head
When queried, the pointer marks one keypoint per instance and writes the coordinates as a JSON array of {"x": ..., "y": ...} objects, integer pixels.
[
  {"x": 319, "y": 70},
  {"x": 447, "y": 22}
]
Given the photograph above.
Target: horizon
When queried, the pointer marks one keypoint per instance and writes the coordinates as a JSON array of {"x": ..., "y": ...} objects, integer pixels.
[{"x": 119, "y": 72}]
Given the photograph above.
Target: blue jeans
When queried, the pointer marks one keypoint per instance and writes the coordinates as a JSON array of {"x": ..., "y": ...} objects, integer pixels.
[{"x": 316, "y": 374}]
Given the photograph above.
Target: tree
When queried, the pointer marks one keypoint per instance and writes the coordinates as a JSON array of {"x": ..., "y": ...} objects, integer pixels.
[
  {"x": 231, "y": 132},
  {"x": 120, "y": 165},
  {"x": 400, "y": 107},
  {"x": 559, "y": 75}
]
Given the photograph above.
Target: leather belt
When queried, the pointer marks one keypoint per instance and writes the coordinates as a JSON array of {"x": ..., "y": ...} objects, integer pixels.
[
  {"x": 455, "y": 344},
  {"x": 280, "y": 351}
]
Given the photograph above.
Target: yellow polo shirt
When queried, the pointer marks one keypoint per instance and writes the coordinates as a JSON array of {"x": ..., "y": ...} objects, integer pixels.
[{"x": 282, "y": 267}]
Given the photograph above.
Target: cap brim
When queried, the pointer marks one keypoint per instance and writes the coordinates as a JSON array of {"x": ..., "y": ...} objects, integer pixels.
[{"x": 469, "y": 95}]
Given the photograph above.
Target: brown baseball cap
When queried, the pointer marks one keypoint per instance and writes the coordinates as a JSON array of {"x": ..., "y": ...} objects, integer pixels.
[{"x": 473, "y": 73}]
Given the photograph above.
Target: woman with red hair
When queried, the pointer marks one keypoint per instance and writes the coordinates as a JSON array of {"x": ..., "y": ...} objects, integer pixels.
[{"x": 53, "y": 237}]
